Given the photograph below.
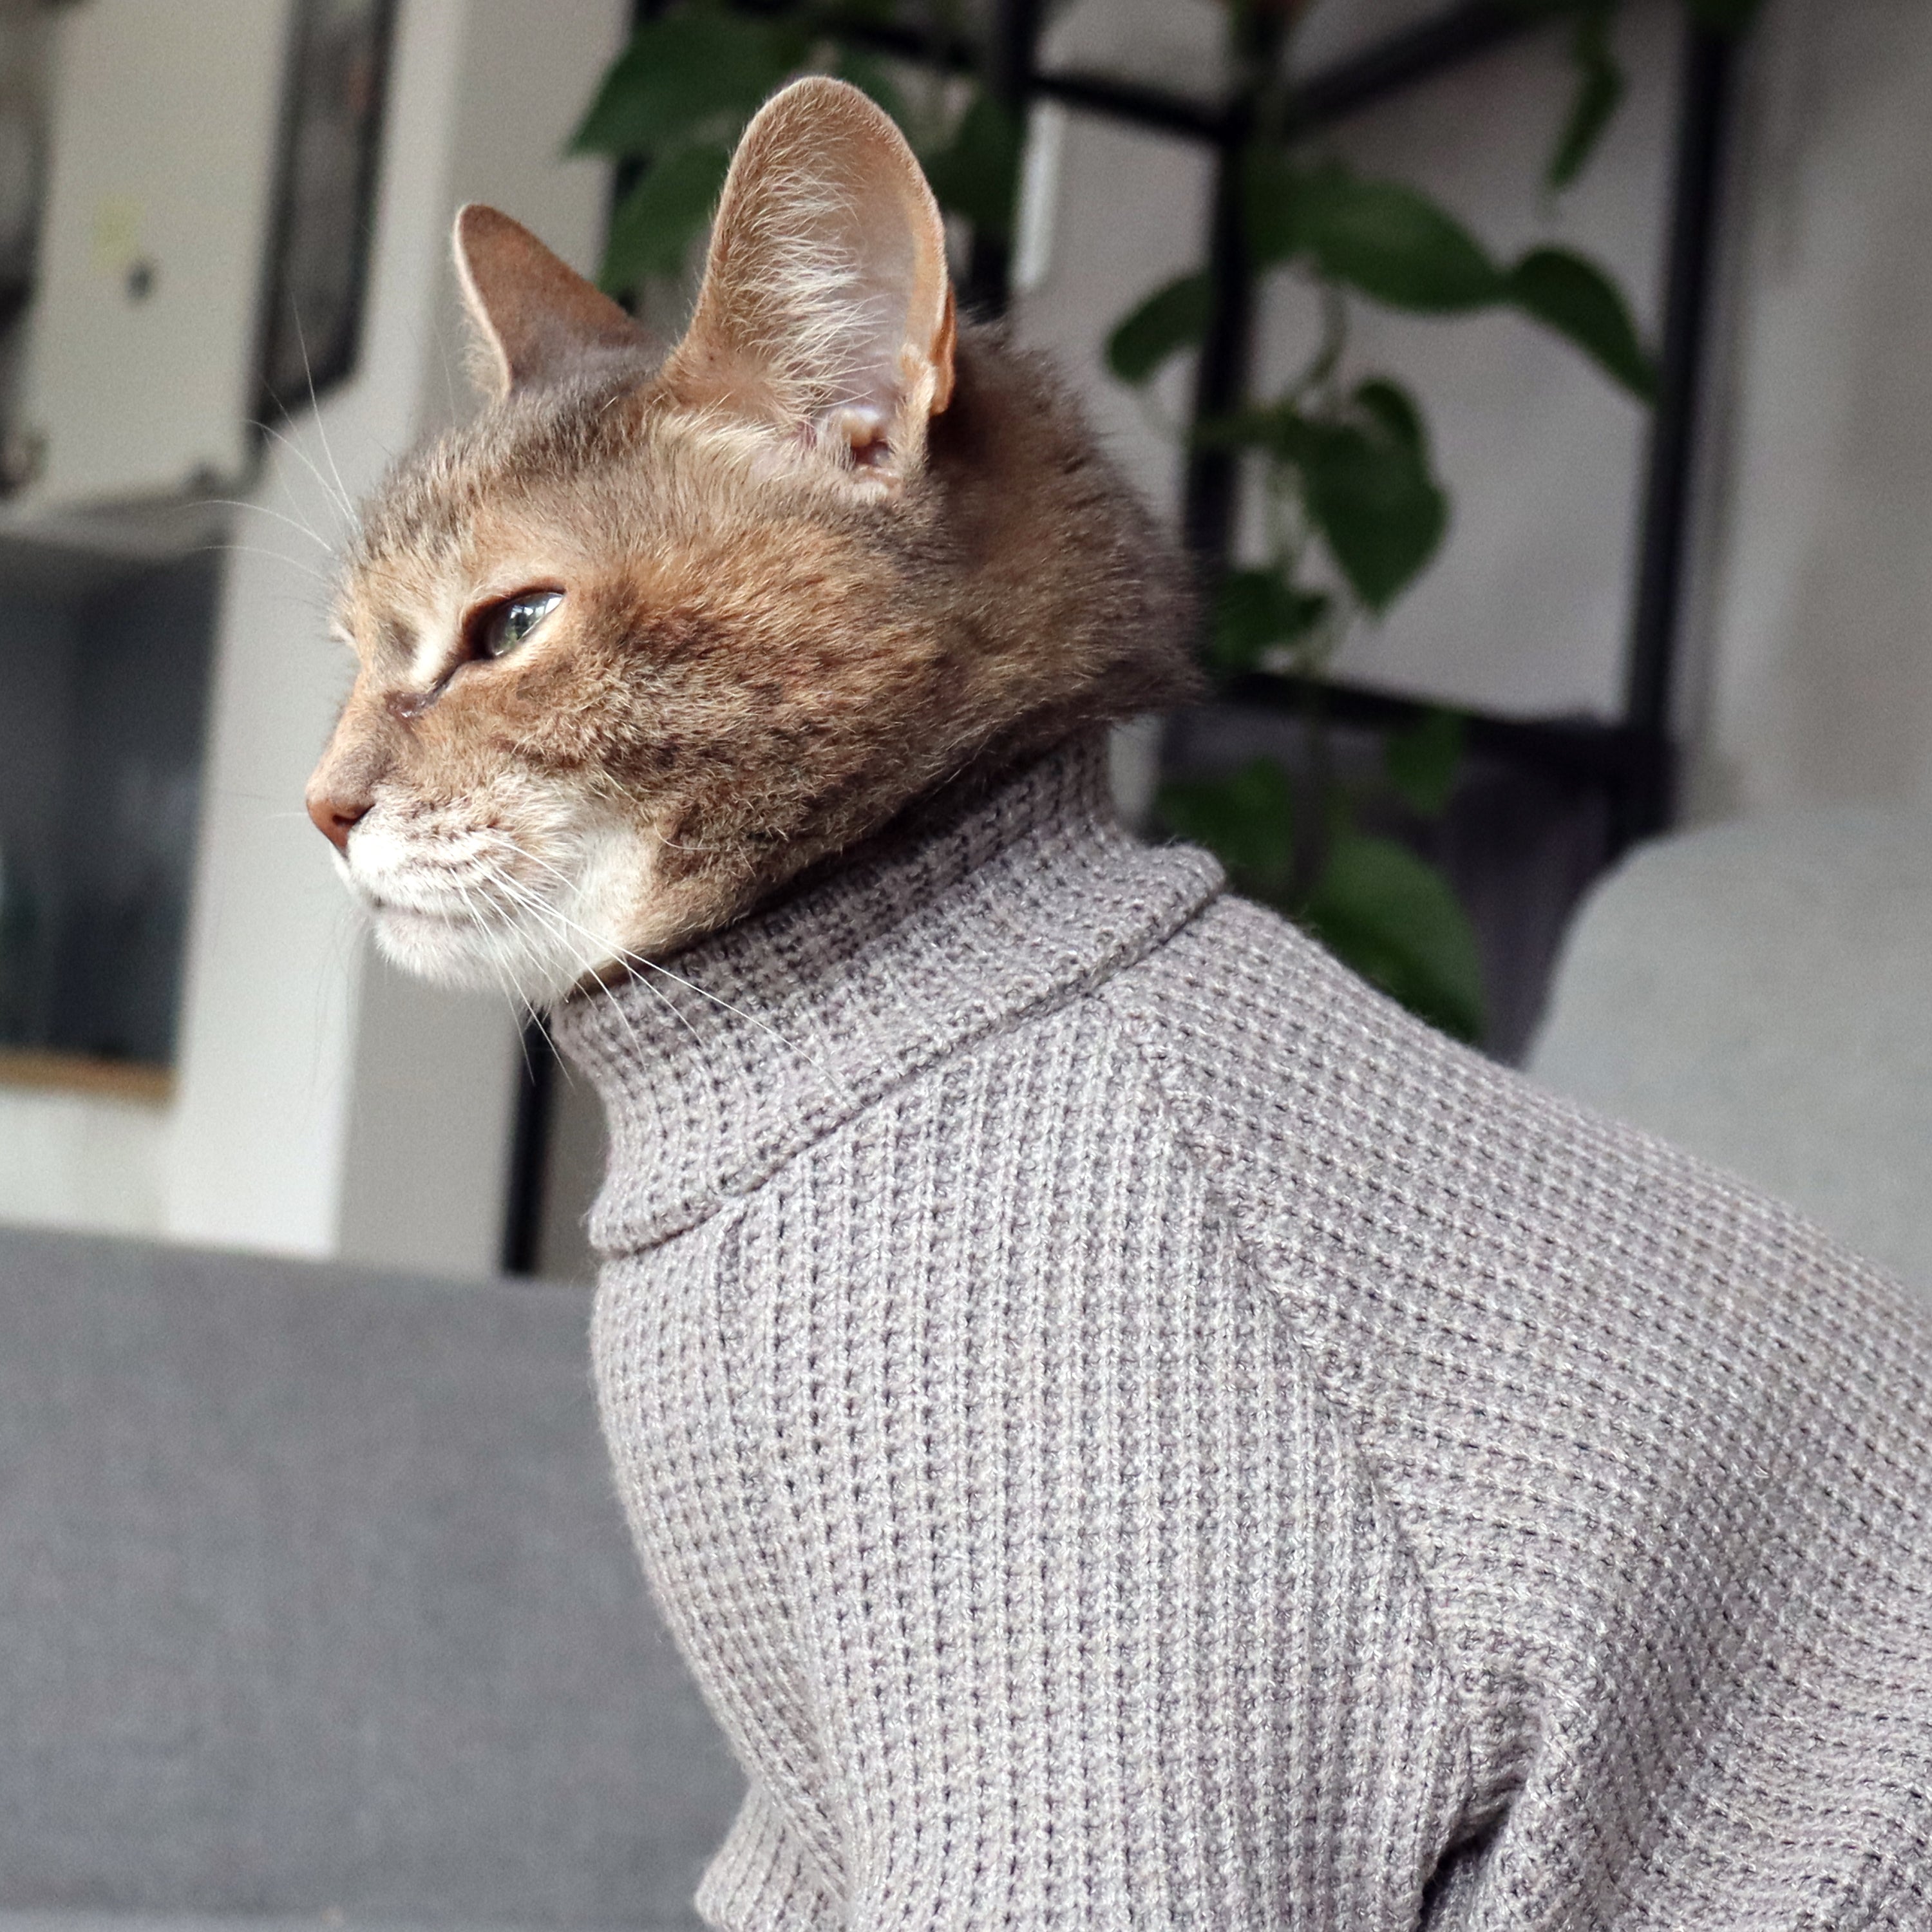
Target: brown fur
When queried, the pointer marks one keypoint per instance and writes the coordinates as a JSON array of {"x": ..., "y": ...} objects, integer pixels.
[{"x": 755, "y": 664}]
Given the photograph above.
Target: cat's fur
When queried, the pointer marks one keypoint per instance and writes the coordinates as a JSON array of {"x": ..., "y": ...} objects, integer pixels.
[{"x": 830, "y": 554}]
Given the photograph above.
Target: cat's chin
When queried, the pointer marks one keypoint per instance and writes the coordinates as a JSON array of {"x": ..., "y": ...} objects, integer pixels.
[
  {"x": 468, "y": 906},
  {"x": 465, "y": 954},
  {"x": 507, "y": 954},
  {"x": 446, "y": 951}
]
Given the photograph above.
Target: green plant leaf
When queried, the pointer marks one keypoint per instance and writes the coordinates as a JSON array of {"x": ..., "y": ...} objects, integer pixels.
[
  {"x": 1381, "y": 514},
  {"x": 1396, "y": 920},
  {"x": 1727, "y": 16},
  {"x": 1396, "y": 412},
  {"x": 1600, "y": 86},
  {"x": 701, "y": 70},
  {"x": 1366, "y": 482},
  {"x": 1423, "y": 761},
  {"x": 1246, "y": 821},
  {"x": 1576, "y": 298},
  {"x": 1256, "y": 609},
  {"x": 1270, "y": 206},
  {"x": 653, "y": 230},
  {"x": 1170, "y": 319},
  {"x": 976, "y": 174},
  {"x": 1391, "y": 242}
]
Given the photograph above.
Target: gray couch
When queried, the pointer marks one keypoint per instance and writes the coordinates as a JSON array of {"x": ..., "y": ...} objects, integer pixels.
[
  {"x": 315, "y": 1602},
  {"x": 1758, "y": 992}
]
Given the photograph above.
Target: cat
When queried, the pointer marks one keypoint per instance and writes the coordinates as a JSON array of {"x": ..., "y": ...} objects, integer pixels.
[
  {"x": 1127, "y": 1426},
  {"x": 653, "y": 636}
]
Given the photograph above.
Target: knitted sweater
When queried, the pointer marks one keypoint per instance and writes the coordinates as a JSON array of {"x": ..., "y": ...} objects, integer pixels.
[{"x": 1131, "y": 1430}]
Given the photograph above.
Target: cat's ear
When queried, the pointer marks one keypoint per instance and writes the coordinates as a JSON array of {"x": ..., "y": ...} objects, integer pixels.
[
  {"x": 826, "y": 310},
  {"x": 537, "y": 321}
]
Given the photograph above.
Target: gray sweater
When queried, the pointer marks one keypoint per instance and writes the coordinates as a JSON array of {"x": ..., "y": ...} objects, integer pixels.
[{"x": 1129, "y": 1428}]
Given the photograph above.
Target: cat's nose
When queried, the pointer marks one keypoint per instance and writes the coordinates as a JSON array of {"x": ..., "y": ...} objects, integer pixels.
[{"x": 336, "y": 817}]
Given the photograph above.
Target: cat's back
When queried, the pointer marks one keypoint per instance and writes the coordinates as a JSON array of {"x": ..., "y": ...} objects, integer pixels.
[{"x": 1662, "y": 1448}]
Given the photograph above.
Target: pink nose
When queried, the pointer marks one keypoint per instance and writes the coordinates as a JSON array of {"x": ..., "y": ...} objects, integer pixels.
[{"x": 335, "y": 818}]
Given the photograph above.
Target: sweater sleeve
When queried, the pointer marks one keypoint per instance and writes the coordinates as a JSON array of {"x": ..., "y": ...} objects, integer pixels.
[{"x": 1103, "y": 1620}]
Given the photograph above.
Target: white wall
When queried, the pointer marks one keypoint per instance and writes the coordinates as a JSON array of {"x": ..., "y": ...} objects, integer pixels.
[
  {"x": 1527, "y": 609},
  {"x": 1812, "y": 679},
  {"x": 323, "y": 1105}
]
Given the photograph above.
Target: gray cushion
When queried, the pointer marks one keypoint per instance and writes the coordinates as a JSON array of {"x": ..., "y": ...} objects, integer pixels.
[
  {"x": 314, "y": 1597},
  {"x": 1761, "y": 993}
]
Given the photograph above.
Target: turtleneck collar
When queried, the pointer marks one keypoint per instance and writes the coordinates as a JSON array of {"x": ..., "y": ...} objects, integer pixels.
[{"x": 715, "y": 1068}]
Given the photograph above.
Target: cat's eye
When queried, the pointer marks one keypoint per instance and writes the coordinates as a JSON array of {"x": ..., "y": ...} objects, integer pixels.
[{"x": 501, "y": 627}]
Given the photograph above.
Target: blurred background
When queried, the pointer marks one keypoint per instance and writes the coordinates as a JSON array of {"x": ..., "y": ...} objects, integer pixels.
[
  {"x": 1542, "y": 385},
  {"x": 1544, "y": 390}
]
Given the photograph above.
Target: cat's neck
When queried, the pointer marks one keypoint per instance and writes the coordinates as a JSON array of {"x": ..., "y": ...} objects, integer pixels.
[
  {"x": 1060, "y": 560},
  {"x": 714, "y": 1068}
]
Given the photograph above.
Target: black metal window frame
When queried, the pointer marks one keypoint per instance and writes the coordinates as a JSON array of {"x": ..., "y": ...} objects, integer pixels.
[{"x": 1631, "y": 760}]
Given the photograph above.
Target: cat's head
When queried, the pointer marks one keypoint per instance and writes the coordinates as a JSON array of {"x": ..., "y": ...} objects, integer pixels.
[{"x": 650, "y": 637}]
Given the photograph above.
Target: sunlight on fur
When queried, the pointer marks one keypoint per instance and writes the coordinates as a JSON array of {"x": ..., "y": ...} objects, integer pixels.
[{"x": 653, "y": 637}]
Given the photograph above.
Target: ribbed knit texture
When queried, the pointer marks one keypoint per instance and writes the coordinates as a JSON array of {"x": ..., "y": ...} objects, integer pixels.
[{"x": 1130, "y": 1429}]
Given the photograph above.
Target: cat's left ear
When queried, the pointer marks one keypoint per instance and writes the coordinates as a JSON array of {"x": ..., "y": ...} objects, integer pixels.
[
  {"x": 537, "y": 321},
  {"x": 825, "y": 311}
]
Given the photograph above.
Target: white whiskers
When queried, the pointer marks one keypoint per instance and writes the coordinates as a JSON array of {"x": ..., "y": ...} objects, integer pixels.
[
  {"x": 625, "y": 957},
  {"x": 342, "y": 496},
  {"x": 465, "y": 903}
]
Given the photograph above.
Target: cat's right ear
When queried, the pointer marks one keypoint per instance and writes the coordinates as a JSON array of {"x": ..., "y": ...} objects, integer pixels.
[
  {"x": 537, "y": 321},
  {"x": 826, "y": 312}
]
